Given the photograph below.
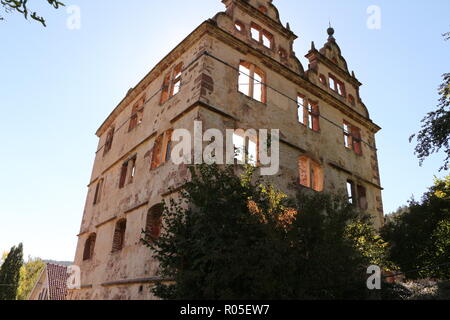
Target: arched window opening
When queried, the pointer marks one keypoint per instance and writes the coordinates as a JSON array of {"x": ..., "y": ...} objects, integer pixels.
[
  {"x": 154, "y": 222},
  {"x": 119, "y": 235},
  {"x": 89, "y": 247}
]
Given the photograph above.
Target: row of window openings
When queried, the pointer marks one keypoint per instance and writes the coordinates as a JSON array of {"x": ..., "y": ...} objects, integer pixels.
[
  {"x": 171, "y": 87},
  {"x": 311, "y": 176},
  {"x": 337, "y": 86},
  {"x": 152, "y": 232},
  {"x": 251, "y": 83},
  {"x": 246, "y": 151}
]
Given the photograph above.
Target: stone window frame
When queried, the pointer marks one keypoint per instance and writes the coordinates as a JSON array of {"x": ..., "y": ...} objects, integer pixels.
[
  {"x": 240, "y": 24},
  {"x": 357, "y": 195},
  {"x": 128, "y": 172},
  {"x": 252, "y": 81},
  {"x": 89, "y": 246},
  {"x": 161, "y": 149},
  {"x": 119, "y": 235},
  {"x": 311, "y": 173},
  {"x": 352, "y": 138},
  {"x": 153, "y": 223},
  {"x": 172, "y": 83},
  {"x": 98, "y": 191},
  {"x": 337, "y": 85},
  {"x": 262, "y": 35},
  {"x": 308, "y": 113},
  {"x": 109, "y": 141},
  {"x": 137, "y": 114}
]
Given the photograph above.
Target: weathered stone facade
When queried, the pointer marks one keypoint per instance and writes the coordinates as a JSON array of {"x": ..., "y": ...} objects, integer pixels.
[{"x": 128, "y": 179}]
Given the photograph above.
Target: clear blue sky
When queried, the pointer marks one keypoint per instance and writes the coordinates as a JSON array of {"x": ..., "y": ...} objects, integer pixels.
[{"x": 58, "y": 85}]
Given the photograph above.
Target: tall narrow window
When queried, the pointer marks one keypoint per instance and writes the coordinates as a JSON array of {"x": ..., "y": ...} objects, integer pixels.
[
  {"x": 123, "y": 175},
  {"x": 251, "y": 81},
  {"x": 351, "y": 192},
  {"x": 347, "y": 136},
  {"x": 168, "y": 145},
  {"x": 308, "y": 113},
  {"x": 98, "y": 192},
  {"x": 109, "y": 141},
  {"x": 357, "y": 141},
  {"x": 246, "y": 148},
  {"x": 267, "y": 39},
  {"x": 154, "y": 223},
  {"x": 119, "y": 235},
  {"x": 362, "y": 198},
  {"x": 156, "y": 157},
  {"x": 128, "y": 172},
  {"x": 176, "y": 82},
  {"x": 172, "y": 83},
  {"x": 255, "y": 32},
  {"x": 311, "y": 174},
  {"x": 136, "y": 114},
  {"x": 352, "y": 138},
  {"x": 301, "y": 109},
  {"x": 89, "y": 246},
  {"x": 239, "y": 26},
  {"x": 165, "y": 89}
]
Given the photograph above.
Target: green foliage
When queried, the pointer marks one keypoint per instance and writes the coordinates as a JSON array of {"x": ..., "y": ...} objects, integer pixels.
[
  {"x": 20, "y": 6},
  {"x": 435, "y": 133},
  {"x": 10, "y": 273},
  {"x": 29, "y": 274},
  {"x": 231, "y": 237},
  {"x": 420, "y": 237}
]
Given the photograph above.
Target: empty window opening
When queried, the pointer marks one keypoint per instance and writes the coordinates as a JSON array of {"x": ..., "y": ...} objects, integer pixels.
[
  {"x": 337, "y": 85},
  {"x": 137, "y": 114},
  {"x": 267, "y": 39},
  {"x": 351, "y": 192},
  {"x": 128, "y": 171},
  {"x": 162, "y": 150},
  {"x": 352, "y": 138},
  {"x": 98, "y": 192},
  {"x": 255, "y": 31},
  {"x": 251, "y": 81},
  {"x": 89, "y": 247},
  {"x": 239, "y": 26},
  {"x": 311, "y": 174},
  {"x": 168, "y": 145},
  {"x": 262, "y": 36},
  {"x": 154, "y": 223},
  {"x": 119, "y": 235},
  {"x": 246, "y": 148},
  {"x": 308, "y": 113},
  {"x": 172, "y": 83}
]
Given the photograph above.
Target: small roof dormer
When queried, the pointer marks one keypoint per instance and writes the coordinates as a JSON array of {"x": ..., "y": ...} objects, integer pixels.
[{"x": 258, "y": 24}]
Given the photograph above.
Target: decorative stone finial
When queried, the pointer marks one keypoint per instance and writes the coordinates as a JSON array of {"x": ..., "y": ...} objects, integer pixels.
[{"x": 330, "y": 32}]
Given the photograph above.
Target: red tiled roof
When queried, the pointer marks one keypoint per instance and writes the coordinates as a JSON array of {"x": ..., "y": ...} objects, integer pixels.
[{"x": 57, "y": 281}]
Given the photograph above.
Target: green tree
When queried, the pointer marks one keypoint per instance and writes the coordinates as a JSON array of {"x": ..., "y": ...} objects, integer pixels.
[
  {"x": 21, "y": 7},
  {"x": 231, "y": 237},
  {"x": 10, "y": 273},
  {"x": 420, "y": 237},
  {"x": 435, "y": 133},
  {"x": 29, "y": 274}
]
